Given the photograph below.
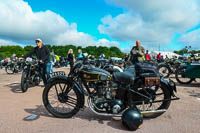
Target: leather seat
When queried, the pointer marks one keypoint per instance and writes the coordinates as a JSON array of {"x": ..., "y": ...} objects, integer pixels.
[{"x": 128, "y": 76}]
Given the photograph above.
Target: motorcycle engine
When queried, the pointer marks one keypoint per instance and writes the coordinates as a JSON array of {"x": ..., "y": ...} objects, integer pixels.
[{"x": 104, "y": 100}]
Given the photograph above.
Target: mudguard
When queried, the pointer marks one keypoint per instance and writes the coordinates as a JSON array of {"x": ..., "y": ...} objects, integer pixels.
[
  {"x": 76, "y": 86},
  {"x": 165, "y": 65},
  {"x": 171, "y": 85}
]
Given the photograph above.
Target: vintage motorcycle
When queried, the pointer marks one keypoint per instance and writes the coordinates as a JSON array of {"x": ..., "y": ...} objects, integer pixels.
[
  {"x": 188, "y": 73},
  {"x": 138, "y": 86},
  {"x": 168, "y": 68},
  {"x": 30, "y": 75}
]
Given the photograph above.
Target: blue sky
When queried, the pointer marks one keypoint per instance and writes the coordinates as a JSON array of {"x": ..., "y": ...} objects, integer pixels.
[
  {"x": 169, "y": 24},
  {"x": 86, "y": 13}
]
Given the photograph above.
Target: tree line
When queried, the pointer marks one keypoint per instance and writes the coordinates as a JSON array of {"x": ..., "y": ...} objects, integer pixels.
[
  {"x": 7, "y": 51},
  {"x": 186, "y": 50}
]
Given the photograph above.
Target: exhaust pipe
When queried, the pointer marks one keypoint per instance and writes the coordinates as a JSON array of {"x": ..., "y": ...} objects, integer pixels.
[
  {"x": 153, "y": 111},
  {"x": 120, "y": 115}
]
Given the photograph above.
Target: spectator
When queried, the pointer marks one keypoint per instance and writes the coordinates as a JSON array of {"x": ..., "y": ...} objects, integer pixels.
[
  {"x": 159, "y": 57},
  {"x": 57, "y": 60},
  {"x": 126, "y": 57},
  {"x": 137, "y": 53},
  {"x": 62, "y": 61},
  {"x": 70, "y": 58},
  {"x": 147, "y": 56},
  {"x": 80, "y": 55},
  {"x": 13, "y": 58}
]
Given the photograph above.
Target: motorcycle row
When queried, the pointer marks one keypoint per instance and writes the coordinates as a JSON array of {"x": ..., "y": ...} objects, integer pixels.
[
  {"x": 110, "y": 88},
  {"x": 183, "y": 70}
]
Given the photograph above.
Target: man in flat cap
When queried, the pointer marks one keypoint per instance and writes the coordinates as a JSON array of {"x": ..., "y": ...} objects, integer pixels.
[{"x": 43, "y": 55}]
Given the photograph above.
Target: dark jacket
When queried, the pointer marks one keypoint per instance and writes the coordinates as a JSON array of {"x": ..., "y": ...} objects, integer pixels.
[
  {"x": 41, "y": 53},
  {"x": 70, "y": 58}
]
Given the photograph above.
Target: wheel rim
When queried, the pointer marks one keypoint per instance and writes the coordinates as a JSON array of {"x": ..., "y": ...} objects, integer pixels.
[
  {"x": 180, "y": 76},
  {"x": 10, "y": 69},
  {"x": 158, "y": 94},
  {"x": 164, "y": 71},
  {"x": 62, "y": 99}
]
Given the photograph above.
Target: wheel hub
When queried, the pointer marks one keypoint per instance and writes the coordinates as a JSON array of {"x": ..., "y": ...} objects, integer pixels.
[{"x": 62, "y": 98}]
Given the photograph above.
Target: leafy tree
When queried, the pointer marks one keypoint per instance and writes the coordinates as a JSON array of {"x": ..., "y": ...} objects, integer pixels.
[{"x": 7, "y": 51}]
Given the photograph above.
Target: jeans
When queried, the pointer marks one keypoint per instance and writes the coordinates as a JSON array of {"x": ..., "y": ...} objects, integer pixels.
[
  {"x": 49, "y": 69},
  {"x": 66, "y": 63},
  {"x": 43, "y": 71}
]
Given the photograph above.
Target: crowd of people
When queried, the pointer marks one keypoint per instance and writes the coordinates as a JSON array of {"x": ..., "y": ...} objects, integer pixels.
[{"x": 48, "y": 59}]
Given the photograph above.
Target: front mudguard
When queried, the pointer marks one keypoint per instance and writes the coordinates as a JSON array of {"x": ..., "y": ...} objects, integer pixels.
[
  {"x": 170, "y": 85},
  {"x": 74, "y": 83}
]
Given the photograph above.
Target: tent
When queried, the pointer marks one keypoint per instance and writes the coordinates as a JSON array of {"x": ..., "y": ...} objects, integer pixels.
[{"x": 164, "y": 54}]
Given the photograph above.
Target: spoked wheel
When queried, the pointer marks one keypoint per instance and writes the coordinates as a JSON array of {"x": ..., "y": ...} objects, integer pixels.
[
  {"x": 37, "y": 80},
  {"x": 24, "y": 82},
  {"x": 158, "y": 94},
  {"x": 61, "y": 99},
  {"x": 9, "y": 69},
  {"x": 180, "y": 77},
  {"x": 164, "y": 71}
]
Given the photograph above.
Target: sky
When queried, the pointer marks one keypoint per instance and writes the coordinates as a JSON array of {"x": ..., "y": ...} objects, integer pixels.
[{"x": 160, "y": 25}]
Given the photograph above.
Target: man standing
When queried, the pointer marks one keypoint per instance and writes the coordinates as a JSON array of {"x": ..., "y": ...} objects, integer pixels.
[
  {"x": 137, "y": 53},
  {"x": 43, "y": 54},
  {"x": 159, "y": 57},
  {"x": 80, "y": 55},
  {"x": 126, "y": 57},
  {"x": 147, "y": 56}
]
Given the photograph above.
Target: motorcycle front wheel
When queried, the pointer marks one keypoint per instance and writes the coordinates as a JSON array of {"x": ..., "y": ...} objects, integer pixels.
[
  {"x": 24, "y": 81},
  {"x": 61, "y": 99},
  {"x": 9, "y": 70}
]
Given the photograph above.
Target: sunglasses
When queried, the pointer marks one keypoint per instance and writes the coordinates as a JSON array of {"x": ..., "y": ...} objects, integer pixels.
[{"x": 37, "y": 41}]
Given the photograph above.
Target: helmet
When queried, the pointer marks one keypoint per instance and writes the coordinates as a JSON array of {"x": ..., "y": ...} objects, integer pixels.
[{"x": 132, "y": 119}]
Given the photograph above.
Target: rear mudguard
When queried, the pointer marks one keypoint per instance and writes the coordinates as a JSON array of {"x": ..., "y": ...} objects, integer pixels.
[
  {"x": 76, "y": 85},
  {"x": 165, "y": 65},
  {"x": 170, "y": 85}
]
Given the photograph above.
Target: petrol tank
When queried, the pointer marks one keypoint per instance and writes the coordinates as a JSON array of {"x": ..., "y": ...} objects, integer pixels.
[{"x": 90, "y": 73}]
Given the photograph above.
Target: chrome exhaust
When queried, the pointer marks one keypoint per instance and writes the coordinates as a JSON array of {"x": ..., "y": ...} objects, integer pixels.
[
  {"x": 120, "y": 115},
  {"x": 153, "y": 111}
]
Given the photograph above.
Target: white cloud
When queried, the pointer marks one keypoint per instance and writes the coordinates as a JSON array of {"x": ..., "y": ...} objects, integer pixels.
[
  {"x": 20, "y": 24},
  {"x": 191, "y": 39},
  {"x": 105, "y": 42},
  {"x": 151, "y": 20},
  {"x": 7, "y": 42}
]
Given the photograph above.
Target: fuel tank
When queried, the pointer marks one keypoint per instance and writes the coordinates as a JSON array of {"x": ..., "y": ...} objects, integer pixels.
[{"x": 90, "y": 73}]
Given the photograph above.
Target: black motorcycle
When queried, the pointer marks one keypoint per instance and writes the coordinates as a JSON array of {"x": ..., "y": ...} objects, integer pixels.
[
  {"x": 2, "y": 64},
  {"x": 11, "y": 67},
  {"x": 31, "y": 75},
  {"x": 168, "y": 68},
  {"x": 138, "y": 86}
]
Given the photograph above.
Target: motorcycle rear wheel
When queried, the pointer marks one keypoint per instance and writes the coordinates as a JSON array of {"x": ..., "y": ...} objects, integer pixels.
[
  {"x": 180, "y": 78},
  {"x": 164, "y": 105},
  {"x": 164, "y": 71}
]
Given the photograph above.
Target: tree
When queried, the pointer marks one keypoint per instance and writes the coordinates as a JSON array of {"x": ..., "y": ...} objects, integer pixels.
[{"x": 7, "y": 51}]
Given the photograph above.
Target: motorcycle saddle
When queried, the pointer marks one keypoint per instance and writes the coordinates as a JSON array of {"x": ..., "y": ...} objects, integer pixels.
[{"x": 128, "y": 76}]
